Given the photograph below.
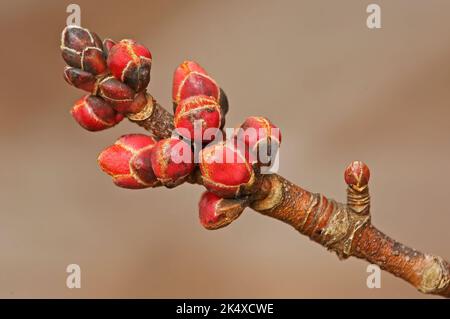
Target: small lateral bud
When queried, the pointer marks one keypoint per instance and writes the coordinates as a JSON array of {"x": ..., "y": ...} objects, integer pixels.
[
  {"x": 216, "y": 212},
  {"x": 130, "y": 62},
  {"x": 172, "y": 161},
  {"x": 357, "y": 174},
  {"x": 225, "y": 171},
  {"x": 94, "y": 114},
  {"x": 127, "y": 161},
  {"x": 357, "y": 177},
  {"x": 199, "y": 109}
]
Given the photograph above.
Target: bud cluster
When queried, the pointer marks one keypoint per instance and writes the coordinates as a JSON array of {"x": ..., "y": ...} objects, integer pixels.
[{"x": 116, "y": 74}]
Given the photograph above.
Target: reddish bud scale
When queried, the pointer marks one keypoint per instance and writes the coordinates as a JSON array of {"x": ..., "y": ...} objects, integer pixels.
[
  {"x": 259, "y": 136},
  {"x": 172, "y": 161},
  {"x": 191, "y": 79},
  {"x": 120, "y": 96},
  {"x": 215, "y": 212},
  {"x": 225, "y": 171},
  {"x": 357, "y": 174},
  {"x": 201, "y": 109},
  {"x": 208, "y": 209},
  {"x": 94, "y": 114},
  {"x": 107, "y": 45},
  {"x": 130, "y": 62},
  {"x": 83, "y": 49},
  {"x": 80, "y": 79},
  {"x": 128, "y": 161}
]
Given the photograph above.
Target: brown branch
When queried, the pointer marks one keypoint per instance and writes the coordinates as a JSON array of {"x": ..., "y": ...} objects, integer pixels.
[
  {"x": 154, "y": 118},
  {"x": 341, "y": 229},
  {"x": 345, "y": 229}
]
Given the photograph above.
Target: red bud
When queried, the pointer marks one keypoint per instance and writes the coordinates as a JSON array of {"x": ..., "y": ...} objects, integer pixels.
[
  {"x": 128, "y": 161},
  {"x": 80, "y": 79},
  {"x": 225, "y": 171},
  {"x": 130, "y": 62},
  {"x": 199, "y": 108},
  {"x": 93, "y": 61},
  {"x": 261, "y": 138},
  {"x": 118, "y": 94},
  {"x": 94, "y": 114},
  {"x": 357, "y": 173},
  {"x": 191, "y": 79},
  {"x": 172, "y": 161},
  {"x": 83, "y": 49},
  {"x": 216, "y": 212}
]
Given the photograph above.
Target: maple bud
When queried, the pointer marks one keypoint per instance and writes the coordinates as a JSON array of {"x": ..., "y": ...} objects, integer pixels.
[
  {"x": 127, "y": 161},
  {"x": 80, "y": 79},
  {"x": 83, "y": 49},
  {"x": 198, "y": 110},
  {"x": 191, "y": 79},
  {"x": 217, "y": 212},
  {"x": 172, "y": 161},
  {"x": 94, "y": 114},
  {"x": 130, "y": 62},
  {"x": 261, "y": 139},
  {"x": 225, "y": 171},
  {"x": 357, "y": 174},
  {"x": 118, "y": 94}
]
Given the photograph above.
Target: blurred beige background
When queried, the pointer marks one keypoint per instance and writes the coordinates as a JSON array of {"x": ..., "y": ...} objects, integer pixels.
[{"x": 338, "y": 90}]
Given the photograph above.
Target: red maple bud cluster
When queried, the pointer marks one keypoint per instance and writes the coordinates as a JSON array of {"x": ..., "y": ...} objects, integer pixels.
[
  {"x": 191, "y": 146},
  {"x": 116, "y": 75}
]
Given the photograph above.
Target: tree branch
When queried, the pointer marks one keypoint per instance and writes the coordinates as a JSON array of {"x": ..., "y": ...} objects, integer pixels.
[
  {"x": 341, "y": 229},
  {"x": 345, "y": 229}
]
